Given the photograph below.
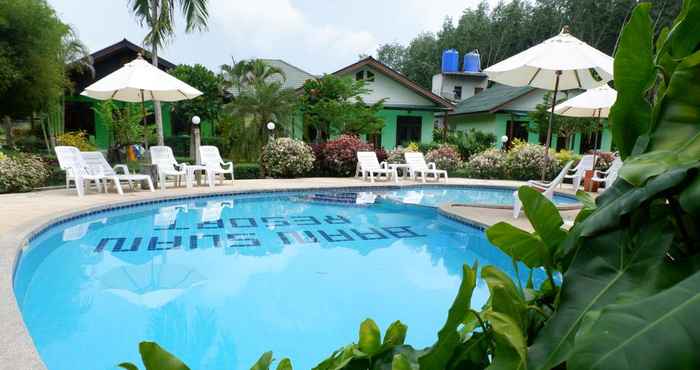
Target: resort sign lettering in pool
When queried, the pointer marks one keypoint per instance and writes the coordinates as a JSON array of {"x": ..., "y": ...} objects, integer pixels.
[{"x": 206, "y": 236}]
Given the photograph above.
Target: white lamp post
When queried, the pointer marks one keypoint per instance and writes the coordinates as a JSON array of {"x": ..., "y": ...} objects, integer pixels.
[
  {"x": 504, "y": 140},
  {"x": 271, "y": 127},
  {"x": 197, "y": 138}
]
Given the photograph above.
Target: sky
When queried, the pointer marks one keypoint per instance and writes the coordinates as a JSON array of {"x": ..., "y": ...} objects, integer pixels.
[{"x": 319, "y": 36}]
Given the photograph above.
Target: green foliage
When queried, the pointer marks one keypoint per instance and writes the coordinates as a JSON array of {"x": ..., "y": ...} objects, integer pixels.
[
  {"x": 562, "y": 126},
  {"x": 77, "y": 139},
  {"x": 333, "y": 105},
  {"x": 125, "y": 124},
  {"x": 522, "y": 161},
  {"x": 208, "y": 105},
  {"x": 30, "y": 64},
  {"x": 502, "y": 29},
  {"x": 259, "y": 97},
  {"x": 468, "y": 143}
]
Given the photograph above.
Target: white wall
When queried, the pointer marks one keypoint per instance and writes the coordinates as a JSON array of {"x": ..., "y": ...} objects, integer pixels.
[
  {"x": 529, "y": 101},
  {"x": 444, "y": 85},
  {"x": 397, "y": 94}
]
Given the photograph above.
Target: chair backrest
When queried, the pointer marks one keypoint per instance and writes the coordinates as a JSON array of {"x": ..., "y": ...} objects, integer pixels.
[
  {"x": 613, "y": 171},
  {"x": 210, "y": 156},
  {"x": 557, "y": 180},
  {"x": 70, "y": 160},
  {"x": 585, "y": 164},
  {"x": 162, "y": 156},
  {"x": 415, "y": 161},
  {"x": 96, "y": 162},
  {"x": 367, "y": 160}
]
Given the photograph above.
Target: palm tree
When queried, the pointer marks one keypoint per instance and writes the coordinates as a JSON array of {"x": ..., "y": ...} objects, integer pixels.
[
  {"x": 159, "y": 17},
  {"x": 259, "y": 97}
]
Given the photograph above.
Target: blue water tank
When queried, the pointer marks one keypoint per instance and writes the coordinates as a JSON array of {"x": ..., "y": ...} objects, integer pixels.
[
  {"x": 450, "y": 61},
  {"x": 472, "y": 61}
]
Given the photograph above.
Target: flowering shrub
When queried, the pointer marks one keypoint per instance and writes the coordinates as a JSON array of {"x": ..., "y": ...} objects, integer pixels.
[
  {"x": 339, "y": 157},
  {"x": 564, "y": 156},
  {"x": 489, "y": 164},
  {"x": 525, "y": 162},
  {"x": 396, "y": 154},
  {"x": 604, "y": 160},
  {"x": 77, "y": 139},
  {"x": 446, "y": 157},
  {"x": 285, "y": 157},
  {"x": 21, "y": 173}
]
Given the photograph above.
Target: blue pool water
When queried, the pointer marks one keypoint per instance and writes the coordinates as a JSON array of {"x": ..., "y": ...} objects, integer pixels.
[
  {"x": 220, "y": 280},
  {"x": 434, "y": 196}
]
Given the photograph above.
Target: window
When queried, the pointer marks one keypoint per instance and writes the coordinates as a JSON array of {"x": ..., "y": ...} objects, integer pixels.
[
  {"x": 458, "y": 92},
  {"x": 363, "y": 75},
  {"x": 359, "y": 76},
  {"x": 478, "y": 90}
]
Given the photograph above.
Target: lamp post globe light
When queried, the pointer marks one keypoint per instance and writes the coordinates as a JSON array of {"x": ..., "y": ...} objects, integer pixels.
[
  {"x": 271, "y": 127},
  {"x": 504, "y": 140},
  {"x": 197, "y": 139}
]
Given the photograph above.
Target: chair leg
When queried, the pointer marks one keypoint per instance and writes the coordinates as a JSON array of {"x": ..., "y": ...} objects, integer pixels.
[
  {"x": 80, "y": 186},
  {"x": 161, "y": 182},
  {"x": 118, "y": 185},
  {"x": 150, "y": 184},
  {"x": 371, "y": 176}
]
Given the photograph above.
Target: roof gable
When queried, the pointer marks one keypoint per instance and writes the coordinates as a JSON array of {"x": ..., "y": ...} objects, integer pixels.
[
  {"x": 294, "y": 77},
  {"x": 126, "y": 45},
  {"x": 397, "y": 77}
]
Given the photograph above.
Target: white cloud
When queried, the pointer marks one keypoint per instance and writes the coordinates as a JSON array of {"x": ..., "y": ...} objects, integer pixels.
[{"x": 273, "y": 28}]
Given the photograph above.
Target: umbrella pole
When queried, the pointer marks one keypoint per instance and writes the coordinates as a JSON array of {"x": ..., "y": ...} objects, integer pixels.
[
  {"x": 549, "y": 127},
  {"x": 145, "y": 124},
  {"x": 595, "y": 139}
]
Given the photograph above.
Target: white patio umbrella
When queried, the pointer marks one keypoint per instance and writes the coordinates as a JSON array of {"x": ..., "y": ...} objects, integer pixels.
[
  {"x": 140, "y": 81},
  {"x": 562, "y": 62},
  {"x": 593, "y": 103}
]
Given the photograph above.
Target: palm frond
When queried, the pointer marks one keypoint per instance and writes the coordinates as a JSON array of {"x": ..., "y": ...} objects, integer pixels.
[{"x": 196, "y": 14}]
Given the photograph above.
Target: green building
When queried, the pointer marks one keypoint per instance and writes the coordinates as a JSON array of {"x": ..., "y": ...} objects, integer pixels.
[
  {"x": 79, "y": 114},
  {"x": 409, "y": 110},
  {"x": 503, "y": 110}
]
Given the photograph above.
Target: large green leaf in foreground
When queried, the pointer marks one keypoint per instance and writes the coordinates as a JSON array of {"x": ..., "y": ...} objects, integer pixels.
[
  {"x": 634, "y": 75},
  {"x": 611, "y": 264},
  {"x": 660, "y": 331}
]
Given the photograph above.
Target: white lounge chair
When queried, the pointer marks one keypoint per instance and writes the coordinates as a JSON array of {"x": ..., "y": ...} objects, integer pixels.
[
  {"x": 547, "y": 188},
  {"x": 609, "y": 176},
  {"x": 164, "y": 159},
  {"x": 211, "y": 158},
  {"x": 577, "y": 173},
  {"x": 417, "y": 165},
  {"x": 70, "y": 160},
  {"x": 97, "y": 162},
  {"x": 368, "y": 165}
]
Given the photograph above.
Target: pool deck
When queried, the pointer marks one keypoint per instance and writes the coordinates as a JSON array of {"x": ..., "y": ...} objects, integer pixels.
[{"x": 23, "y": 214}]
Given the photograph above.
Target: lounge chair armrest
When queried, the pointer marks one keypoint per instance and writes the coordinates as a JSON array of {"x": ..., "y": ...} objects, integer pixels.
[
  {"x": 123, "y": 167},
  {"x": 432, "y": 166},
  {"x": 180, "y": 166},
  {"x": 384, "y": 165},
  {"x": 537, "y": 184},
  {"x": 227, "y": 164},
  {"x": 599, "y": 173}
]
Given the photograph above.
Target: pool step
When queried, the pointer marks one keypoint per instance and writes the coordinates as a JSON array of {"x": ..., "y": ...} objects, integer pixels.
[{"x": 348, "y": 199}]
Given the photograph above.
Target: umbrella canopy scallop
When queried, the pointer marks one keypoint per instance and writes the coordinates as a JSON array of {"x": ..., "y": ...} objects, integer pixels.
[
  {"x": 581, "y": 66},
  {"x": 139, "y": 81},
  {"x": 592, "y": 103}
]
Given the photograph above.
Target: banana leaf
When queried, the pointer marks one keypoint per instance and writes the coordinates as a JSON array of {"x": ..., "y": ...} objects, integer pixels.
[{"x": 659, "y": 331}]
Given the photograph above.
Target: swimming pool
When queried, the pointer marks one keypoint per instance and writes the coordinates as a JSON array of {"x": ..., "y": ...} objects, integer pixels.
[
  {"x": 219, "y": 280},
  {"x": 435, "y": 195}
]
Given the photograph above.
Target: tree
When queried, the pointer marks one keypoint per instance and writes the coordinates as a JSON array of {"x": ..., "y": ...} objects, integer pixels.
[
  {"x": 123, "y": 120},
  {"x": 393, "y": 55},
  {"x": 562, "y": 126},
  {"x": 334, "y": 105},
  {"x": 159, "y": 17},
  {"x": 31, "y": 74},
  {"x": 208, "y": 105},
  {"x": 259, "y": 97}
]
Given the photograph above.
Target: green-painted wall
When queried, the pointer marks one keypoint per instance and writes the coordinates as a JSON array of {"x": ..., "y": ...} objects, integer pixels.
[
  {"x": 102, "y": 136},
  {"x": 390, "y": 118},
  {"x": 496, "y": 123}
]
